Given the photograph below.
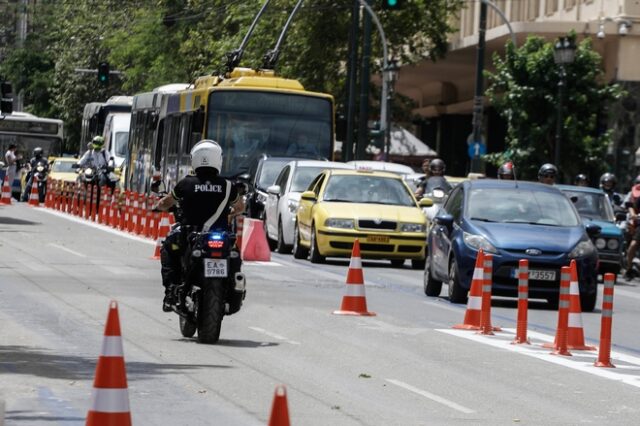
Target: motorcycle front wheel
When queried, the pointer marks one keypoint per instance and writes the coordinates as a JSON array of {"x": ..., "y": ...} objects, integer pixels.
[
  {"x": 187, "y": 328},
  {"x": 211, "y": 312}
]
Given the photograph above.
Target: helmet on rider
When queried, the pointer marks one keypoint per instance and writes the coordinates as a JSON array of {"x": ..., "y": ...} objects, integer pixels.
[
  {"x": 506, "y": 171},
  {"x": 547, "y": 173},
  {"x": 37, "y": 152},
  {"x": 206, "y": 154},
  {"x": 97, "y": 142},
  {"x": 581, "y": 180},
  {"x": 437, "y": 167},
  {"x": 608, "y": 181}
]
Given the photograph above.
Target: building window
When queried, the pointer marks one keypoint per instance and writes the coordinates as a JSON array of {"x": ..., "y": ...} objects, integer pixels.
[
  {"x": 551, "y": 7},
  {"x": 532, "y": 9}
]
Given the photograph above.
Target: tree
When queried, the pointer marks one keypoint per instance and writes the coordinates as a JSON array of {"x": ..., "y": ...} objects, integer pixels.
[{"x": 524, "y": 90}]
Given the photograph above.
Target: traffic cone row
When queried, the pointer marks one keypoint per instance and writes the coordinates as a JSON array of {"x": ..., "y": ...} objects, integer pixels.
[
  {"x": 34, "y": 197},
  {"x": 474, "y": 301}
]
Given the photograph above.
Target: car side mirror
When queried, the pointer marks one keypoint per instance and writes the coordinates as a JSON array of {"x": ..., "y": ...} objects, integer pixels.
[
  {"x": 425, "y": 202},
  {"x": 574, "y": 199},
  {"x": 593, "y": 230},
  {"x": 273, "y": 189},
  {"x": 309, "y": 196},
  {"x": 444, "y": 219}
]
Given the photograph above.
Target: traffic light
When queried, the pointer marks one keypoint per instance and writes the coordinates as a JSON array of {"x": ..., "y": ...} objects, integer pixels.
[
  {"x": 103, "y": 72},
  {"x": 392, "y": 4},
  {"x": 6, "y": 98}
]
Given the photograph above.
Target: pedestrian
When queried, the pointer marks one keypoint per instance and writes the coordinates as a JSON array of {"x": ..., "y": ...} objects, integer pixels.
[{"x": 10, "y": 160}]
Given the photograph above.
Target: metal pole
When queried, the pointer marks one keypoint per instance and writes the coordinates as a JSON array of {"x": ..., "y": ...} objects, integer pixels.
[
  {"x": 478, "y": 98},
  {"x": 561, "y": 86},
  {"x": 352, "y": 71},
  {"x": 504, "y": 18},
  {"x": 363, "y": 112}
]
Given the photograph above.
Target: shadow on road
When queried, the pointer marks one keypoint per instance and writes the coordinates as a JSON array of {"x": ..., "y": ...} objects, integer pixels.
[{"x": 26, "y": 416}]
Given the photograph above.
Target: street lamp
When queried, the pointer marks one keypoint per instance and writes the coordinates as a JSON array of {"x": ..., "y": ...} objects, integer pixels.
[
  {"x": 391, "y": 75},
  {"x": 564, "y": 52}
]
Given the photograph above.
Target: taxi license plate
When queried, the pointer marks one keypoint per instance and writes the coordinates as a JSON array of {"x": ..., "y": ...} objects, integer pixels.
[
  {"x": 215, "y": 268},
  {"x": 377, "y": 239},
  {"x": 542, "y": 275}
]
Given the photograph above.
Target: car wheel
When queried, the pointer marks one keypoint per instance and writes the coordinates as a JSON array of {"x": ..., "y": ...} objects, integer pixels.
[
  {"x": 456, "y": 292},
  {"x": 314, "y": 253},
  {"x": 588, "y": 301},
  {"x": 432, "y": 287},
  {"x": 299, "y": 252},
  {"x": 397, "y": 263},
  {"x": 281, "y": 247},
  {"x": 418, "y": 263}
]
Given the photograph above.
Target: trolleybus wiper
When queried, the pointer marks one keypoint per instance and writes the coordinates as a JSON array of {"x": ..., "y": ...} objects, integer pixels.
[
  {"x": 234, "y": 57},
  {"x": 271, "y": 57}
]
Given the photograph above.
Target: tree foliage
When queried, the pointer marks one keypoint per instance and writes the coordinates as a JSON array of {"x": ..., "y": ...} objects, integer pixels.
[
  {"x": 156, "y": 42},
  {"x": 524, "y": 90}
]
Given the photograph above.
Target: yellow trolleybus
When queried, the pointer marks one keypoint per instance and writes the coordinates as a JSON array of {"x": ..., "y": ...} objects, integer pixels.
[{"x": 250, "y": 113}]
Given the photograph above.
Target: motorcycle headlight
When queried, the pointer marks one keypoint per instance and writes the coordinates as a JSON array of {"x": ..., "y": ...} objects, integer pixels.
[
  {"x": 600, "y": 243},
  {"x": 583, "y": 248},
  {"x": 339, "y": 223},
  {"x": 613, "y": 244},
  {"x": 88, "y": 172},
  {"x": 292, "y": 205},
  {"x": 412, "y": 227},
  {"x": 40, "y": 169},
  {"x": 478, "y": 242}
]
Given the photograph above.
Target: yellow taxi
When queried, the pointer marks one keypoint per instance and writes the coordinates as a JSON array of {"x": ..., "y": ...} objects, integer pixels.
[
  {"x": 378, "y": 208},
  {"x": 61, "y": 169}
]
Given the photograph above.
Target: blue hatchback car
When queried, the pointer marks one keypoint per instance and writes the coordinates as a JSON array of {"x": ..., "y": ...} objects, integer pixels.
[
  {"x": 512, "y": 221},
  {"x": 594, "y": 206}
]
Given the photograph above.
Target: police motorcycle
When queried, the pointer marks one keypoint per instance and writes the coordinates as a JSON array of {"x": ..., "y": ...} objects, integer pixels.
[{"x": 437, "y": 190}]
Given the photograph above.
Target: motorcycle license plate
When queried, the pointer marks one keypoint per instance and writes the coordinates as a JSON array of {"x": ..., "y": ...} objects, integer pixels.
[
  {"x": 542, "y": 275},
  {"x": 215, "y": 268}
]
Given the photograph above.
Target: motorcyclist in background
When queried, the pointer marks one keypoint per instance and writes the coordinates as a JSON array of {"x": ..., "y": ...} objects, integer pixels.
[
  {"x": 37, "y": 159},
  {"x": 581, "y": 180},
  {"x": 97, "y": 157},
  {"x": 547, "y": 174},
  {"x": 203, "y": 198},
  {"x": 506, "y": 172},
  {"x": 608, "y": 183},
  {"x": 435, "y": 179}
]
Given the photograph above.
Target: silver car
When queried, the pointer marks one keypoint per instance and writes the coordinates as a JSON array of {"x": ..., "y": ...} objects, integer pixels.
[{"x": 283, "y": 198}]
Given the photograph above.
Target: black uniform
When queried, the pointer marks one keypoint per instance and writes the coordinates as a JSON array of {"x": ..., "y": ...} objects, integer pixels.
[{"x": 199, "y": 198}]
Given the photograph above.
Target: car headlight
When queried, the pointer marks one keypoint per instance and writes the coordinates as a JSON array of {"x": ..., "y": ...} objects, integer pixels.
[
  {"x": 601, "y": 243},
  {"x": 412, "y": 227},
  {"x": 292, "y": 205},
  {"x": 613, "y": 244},
  {"x": 478, "y": 242},
  {"x": 339, "y": 223},
  {"x": 583, "y": 248}
]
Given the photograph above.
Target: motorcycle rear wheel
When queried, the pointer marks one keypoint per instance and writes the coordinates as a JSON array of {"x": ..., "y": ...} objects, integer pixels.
[
  {"x": 187, "y": 328},
  {"x": 211, "y": 312}
]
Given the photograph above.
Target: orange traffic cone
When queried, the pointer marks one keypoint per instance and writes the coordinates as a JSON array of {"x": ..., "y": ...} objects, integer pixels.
[
  {"x": 474, "y": 302},
  {"x": 559, "y": 346},
  {"x": 110, "y": 399},
  {"x": 6, "y": 191},
  {"x": 575, "y": 339},
  {"x": 604, "y": 351},
  {"x": 354, "y": 302},
  {"x": 279, "y": 410},
  {"x": 254, "y": 241},
  {"x": 34, "y": 198},
  {"x": 162, "y": 234}
]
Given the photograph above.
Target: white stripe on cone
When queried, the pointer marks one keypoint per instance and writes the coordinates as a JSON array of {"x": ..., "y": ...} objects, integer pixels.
[
  {"x": 110, "y": 400},
  {"x": 575, "y": 320},
  {"x": 112, "y": 346},
  {"x": 355, "y": 263},
  {"x": 574, "y": 288},
  {"x": 355, "y": 290},
  {"x": 474, "y": 302},
  {"x": 478, "y": 273}
]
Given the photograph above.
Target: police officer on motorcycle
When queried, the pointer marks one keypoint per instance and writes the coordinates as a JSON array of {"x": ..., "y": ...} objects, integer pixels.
[
  {"x": 203, "y": 197},
  {"x": 37, "y": 160},
  {"x": 505, "y": 172},
  {"x": 547, "y": 174},
  {"x": 97, "y": 157},
  {"x": 608, "y": 183},
  {"x": 435, "y": 179}
]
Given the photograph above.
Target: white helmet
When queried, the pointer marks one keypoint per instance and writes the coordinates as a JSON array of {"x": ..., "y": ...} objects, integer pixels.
[{"x": 206, "y": 153}]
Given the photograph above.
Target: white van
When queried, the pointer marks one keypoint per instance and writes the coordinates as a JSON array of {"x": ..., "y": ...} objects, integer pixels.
[{"x": 116, "y": 135}]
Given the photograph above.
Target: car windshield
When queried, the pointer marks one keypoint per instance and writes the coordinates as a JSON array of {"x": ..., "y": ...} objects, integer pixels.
[
  {"x": 63, "y": 166},
  {"x": 368, "y": 189},
  {"x": 269, "y": 172},
  {"x": 521, "y": 206},
  {"x": 303, "y": 177},
  {"x": 591, "y": 205}
]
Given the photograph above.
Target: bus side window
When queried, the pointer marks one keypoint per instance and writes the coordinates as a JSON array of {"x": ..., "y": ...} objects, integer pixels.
[{"x": 159, "y": 145}]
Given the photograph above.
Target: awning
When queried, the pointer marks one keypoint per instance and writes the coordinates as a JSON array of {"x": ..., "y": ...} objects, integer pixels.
[{"x": 403, "y": 143}]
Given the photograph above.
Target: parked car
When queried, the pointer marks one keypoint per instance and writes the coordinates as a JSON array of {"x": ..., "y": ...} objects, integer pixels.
[
  {"x": 594, "y": 206},
  {"x": 261, "y": 177},
  {"x": 376, "y": 207},
  {"x": 61, "y": 169},
  {"x": 512, "y": 221},
  {"x": 283, "y": 198}
]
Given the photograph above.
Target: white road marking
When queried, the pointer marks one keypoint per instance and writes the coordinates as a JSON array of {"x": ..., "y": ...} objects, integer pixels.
[
  {"x": 115, "y": 270},
  {"x": 262, "y": 263},
  {"x": 67, "y": 250},
  {"x": 98, "y": 226},
  {"x": 581, "y": 360},
  {"x": 35, "y": 266},
  {"x": 274, "y": 335},
  {"x": 431, "y": 396},
  {"x": 620, "y": 292}
]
